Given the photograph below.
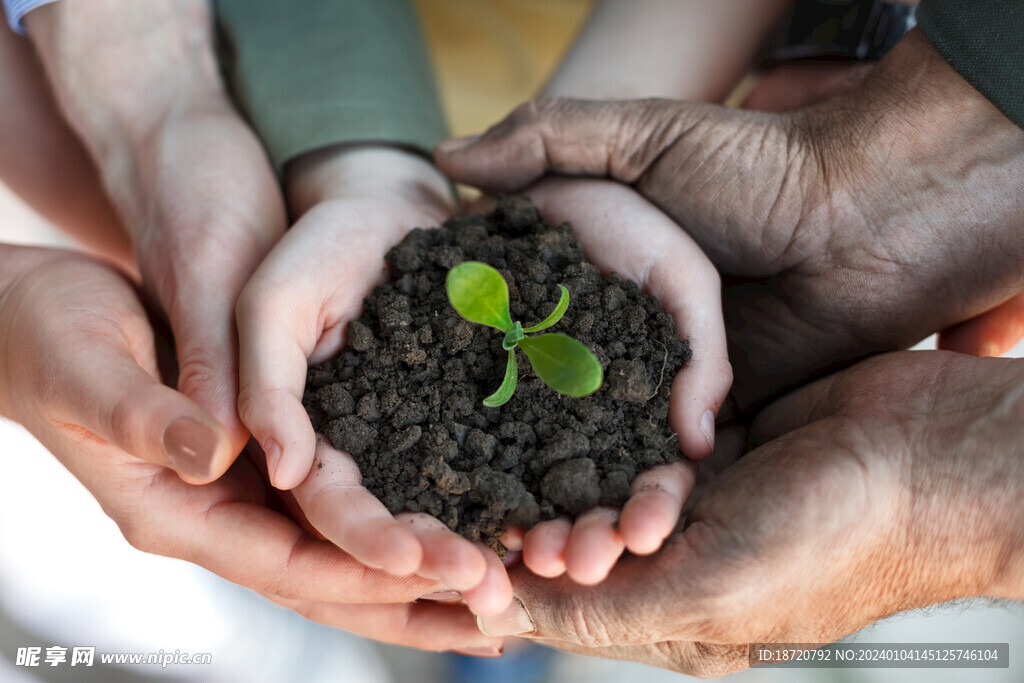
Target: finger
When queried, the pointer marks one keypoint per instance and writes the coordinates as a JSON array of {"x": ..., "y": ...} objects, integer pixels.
[
  {"x": 572, "y": 137},
  {"x": 594, "y": 545},
  {"x": 544, "y": 547},
  {"x": 419, "y": 625},
  {"x": 454, "y": 561},
  {"x": 115, "y": 399},
  {"x": 628, "y": 607},
  {"x": 272, "y": 379},
  {"x": 655, "y": 503},
  {"x": 213, "y": 211},
  {"x": 107, "y": 384},
  {"x": 217, "y": 527},
  {"x": 512, "y": 538},
  {"x": 494, "y": 593},
  {"x": 289, "y": 316},
  {"x": 667, "y": 264},
  {"x": 339, "y": 507},
  {"x": 992, "y": 333},
  {"x": 258, "y": 548}
]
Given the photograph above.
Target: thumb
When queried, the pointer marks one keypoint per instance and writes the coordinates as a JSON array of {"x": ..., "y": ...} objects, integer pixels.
[
  {"x": 132, "y": 410},
  {"x": 206, "y": 344},
  {"x": 644, "y": 600},
  {"x": 110, "y": 390},
  {"x": 620, "y": 140}
]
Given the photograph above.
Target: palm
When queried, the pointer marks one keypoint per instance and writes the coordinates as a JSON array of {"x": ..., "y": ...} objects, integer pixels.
[
  {"x": 866, "y": 498},
  {"x": 294, "y": 312},
  {"x": 602, "y": 214},
  {"x": 95, "y": 403}
]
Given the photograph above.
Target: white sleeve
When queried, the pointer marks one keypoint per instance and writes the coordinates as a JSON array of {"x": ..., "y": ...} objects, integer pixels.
[{"x": 16, "y": 9}]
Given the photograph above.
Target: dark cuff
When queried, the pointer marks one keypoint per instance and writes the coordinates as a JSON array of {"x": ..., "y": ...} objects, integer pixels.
[{"x": 984, "y": 41}]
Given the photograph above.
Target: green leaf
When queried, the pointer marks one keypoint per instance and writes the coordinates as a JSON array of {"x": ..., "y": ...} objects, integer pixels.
[
  {"x": 508, "y": 385},
  {"x": 564, "y": 364},
  {"x": 555, "y": 315},
  {"x": 479, "y": 294},
  {"x": 513, "y": 336}
]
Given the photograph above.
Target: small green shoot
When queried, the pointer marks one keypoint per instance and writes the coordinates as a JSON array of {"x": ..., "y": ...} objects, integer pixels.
[{"x": 479, "y": 294}]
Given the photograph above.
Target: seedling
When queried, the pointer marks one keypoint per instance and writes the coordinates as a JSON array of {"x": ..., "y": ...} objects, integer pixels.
[{"x": 479, "y": 294}]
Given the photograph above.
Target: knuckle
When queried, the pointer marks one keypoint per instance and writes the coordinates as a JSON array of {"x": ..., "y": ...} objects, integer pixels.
[
  {"x": 586, "y": 627},
  {"x": 639, "y": 138},
  {"x": 248, "y": 406},
  {"x": 196, "y": 373},
  {"x": 122, "y": 420},
  {"x": 527, "y": 112}
]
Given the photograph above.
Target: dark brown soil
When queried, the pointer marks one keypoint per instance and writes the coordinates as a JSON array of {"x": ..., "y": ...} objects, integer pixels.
[{"x": 404, "y": 397}]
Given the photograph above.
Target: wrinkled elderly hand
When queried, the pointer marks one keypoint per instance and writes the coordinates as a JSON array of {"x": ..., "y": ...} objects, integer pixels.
[
  {"x": 893, "y": 485},
  {"x": 78, "y": 368},
  {"x": 138, "y": 82},
  {"x": 858, "y": 225}
]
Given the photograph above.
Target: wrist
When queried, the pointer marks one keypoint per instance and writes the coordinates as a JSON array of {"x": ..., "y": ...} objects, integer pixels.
[
  {"x": 118, "y": 66},
  {"x": 915, "y": 108},
  {"x": 966, "y": 482},
  {"x": 360, "y": 171}
]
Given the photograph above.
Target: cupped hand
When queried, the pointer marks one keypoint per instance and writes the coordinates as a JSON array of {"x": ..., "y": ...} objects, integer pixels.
[
  {"x": 139, "y": 84},
  {"x": 78, "y": 369},
  {"x": 890, "y": 486},
  {"x": 620, "y": 231},
  {"x": 353, "y": 205},
  {"x": 793, "y": 86},
  {"x": 854, "y": 226}
]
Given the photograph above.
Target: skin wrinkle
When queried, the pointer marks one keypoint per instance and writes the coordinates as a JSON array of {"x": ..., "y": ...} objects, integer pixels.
[
  {"x": 637, "y": 165},
  {"x": 792, "y": 175}
]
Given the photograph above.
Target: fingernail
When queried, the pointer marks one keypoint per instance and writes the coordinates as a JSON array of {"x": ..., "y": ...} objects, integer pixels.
[
  {"x": 988, "y": 349},
  {"x": 512, "y": 622},
  {"x": 441, "y": 596},
  {"x": 190, "y": 447},
  {"x": 455, "y": 144},
  {"x": 707, "y": 427},
  {"x": 272, "y": 450},
  {"x": 483, "y": 651}
]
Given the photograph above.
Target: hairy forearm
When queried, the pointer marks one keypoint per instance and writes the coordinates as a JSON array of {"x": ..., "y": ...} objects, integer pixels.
[{"x": 678, "y": 49}]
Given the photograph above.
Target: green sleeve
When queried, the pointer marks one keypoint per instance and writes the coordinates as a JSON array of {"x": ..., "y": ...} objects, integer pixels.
[
  {"x": 984, "y": 41},
  {"x": 312, "y": 73}
]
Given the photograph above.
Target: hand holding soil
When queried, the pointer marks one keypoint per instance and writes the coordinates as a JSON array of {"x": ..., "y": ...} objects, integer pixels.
[
  {"x": 352, "y": 206},
  {"x": 899, "y": 469},
  {"x": 98, "y": 404},
  {"x": 842, "y": 230},
  {"x": 404, "y": 399}
]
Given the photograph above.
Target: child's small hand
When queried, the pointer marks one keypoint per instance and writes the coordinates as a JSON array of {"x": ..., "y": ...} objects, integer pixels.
[
  {"x": 623, "y": 232},
  {"x": 352, "y": 206}
]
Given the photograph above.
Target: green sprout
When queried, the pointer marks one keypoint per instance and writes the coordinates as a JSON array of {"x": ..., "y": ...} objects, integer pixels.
[{"x": 479, "y": 294}]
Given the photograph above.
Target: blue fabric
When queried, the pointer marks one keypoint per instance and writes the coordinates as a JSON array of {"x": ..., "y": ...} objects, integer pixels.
[{"x": 16, "y": 9}]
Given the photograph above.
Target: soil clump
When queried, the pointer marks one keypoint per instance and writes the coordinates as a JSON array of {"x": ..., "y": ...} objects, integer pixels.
[{"x": 404, "y": 396}]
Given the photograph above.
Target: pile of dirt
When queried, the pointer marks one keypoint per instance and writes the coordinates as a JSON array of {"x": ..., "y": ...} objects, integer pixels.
[{"x": 404, "y": 396}]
